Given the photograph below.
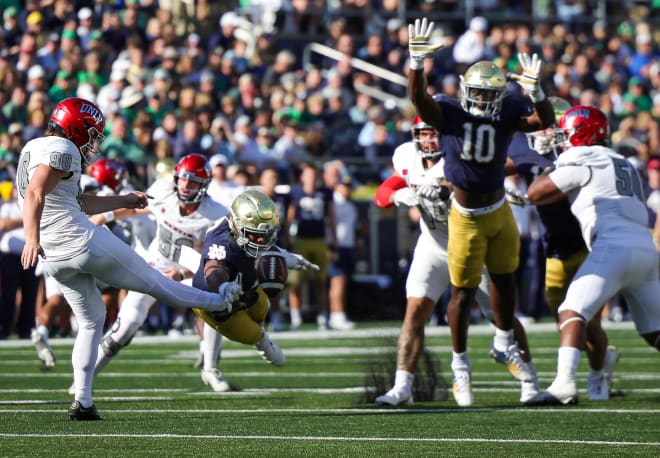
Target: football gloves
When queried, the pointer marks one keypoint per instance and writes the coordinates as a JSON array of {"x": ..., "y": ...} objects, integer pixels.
[
  {"x": 530, "y": 78},
  {"x": 405, "y": 196},
  {"x": 230, "y": 291},
  {"x": 419, "y": 42},
  {"x": 297, "y": 261},
  {"x": 515, "y": 197},
  {"x": 433, "y": 193}
]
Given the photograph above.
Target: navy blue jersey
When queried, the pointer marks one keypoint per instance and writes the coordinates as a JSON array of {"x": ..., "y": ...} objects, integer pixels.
[
  {"x": 311, "y": 211},
  {"x": 563, "y": 236},
  {"x": 221, "y": 245},
  {"x": 476, "y": 148}
]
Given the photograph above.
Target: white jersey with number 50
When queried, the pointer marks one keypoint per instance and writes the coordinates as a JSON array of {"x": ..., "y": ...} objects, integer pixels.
[
  {"x": 176, "y": 230},
  {"x": 60, "y": 237},
  {"x": 606, "y": 197}
]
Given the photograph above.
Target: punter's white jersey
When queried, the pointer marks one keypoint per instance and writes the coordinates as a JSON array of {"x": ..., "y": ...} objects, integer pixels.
[
  {"x": 175, "y": 230},
  {"x": 410, "y": 166},
  {"x": 65, "y": 229},
  {"x": 606, "y": 196}
]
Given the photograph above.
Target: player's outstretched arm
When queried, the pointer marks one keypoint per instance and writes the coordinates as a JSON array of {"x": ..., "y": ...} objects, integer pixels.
[
  {"x": 530, "y": 81},
  {"x": 93, "y": 204},
  {"x": 420, "y": 48},
  {"x": 297, "y": 261}
]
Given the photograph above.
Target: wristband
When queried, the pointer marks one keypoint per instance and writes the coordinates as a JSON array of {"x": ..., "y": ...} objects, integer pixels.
[
  {"x": 182, "y": 272},
  {"x": 109, "y": 216},
  {"x": 538, "y": 95},
  {"x": 416, "y": 64}
]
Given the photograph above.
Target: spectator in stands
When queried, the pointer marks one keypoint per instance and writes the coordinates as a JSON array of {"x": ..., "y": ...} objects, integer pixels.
[
  {"x": 15, "y": 110},
  {"x": 11, "y": 32},
  {"x": 221, "y": 188},
  {"x": 471, "y": 46},
  {"x": 284, "y": 63},
  {"x": 224, "y": 38},
  {"x": 120, "y": 145},
  {"x": 188, "y": 140}
]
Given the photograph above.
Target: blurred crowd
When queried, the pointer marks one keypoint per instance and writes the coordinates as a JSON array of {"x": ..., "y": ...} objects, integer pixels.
[{"x": 237, "y": 79}]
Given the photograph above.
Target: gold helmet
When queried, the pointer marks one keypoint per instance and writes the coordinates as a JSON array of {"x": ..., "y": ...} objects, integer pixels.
[
  {"x": 545, "y": 141},
  {"x": 254, "y": 222},
  {"x": 483, "y": 88}
]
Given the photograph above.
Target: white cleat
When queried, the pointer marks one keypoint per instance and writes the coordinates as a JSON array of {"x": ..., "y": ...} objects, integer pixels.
[
  {"x": 214, "y": 379},
  {"x": 462, "y": 388},
  {"x": 528, "y": 390},
  {"x": 44, "y": 353},
  {"x": 341, "y": 324},
  {"x": 270, "y": 351},
  {"x": 559, "y": 393},
  {"x": 395, "y": 397}
]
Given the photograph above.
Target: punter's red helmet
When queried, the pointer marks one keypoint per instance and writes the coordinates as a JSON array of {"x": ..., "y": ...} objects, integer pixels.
[{"x": 82, "y": 122}]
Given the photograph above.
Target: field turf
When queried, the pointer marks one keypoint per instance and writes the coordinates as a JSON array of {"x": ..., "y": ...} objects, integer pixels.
[{"x": 153, "y": 402}]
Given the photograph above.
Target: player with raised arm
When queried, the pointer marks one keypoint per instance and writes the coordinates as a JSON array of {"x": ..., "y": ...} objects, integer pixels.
[
  {"x": 419, "y": 181},
  {"x": 231, "y": 250},
  {"x": 74, "y": 250},
  {"x": 605, "y": 194},
  {"x": 529, "y": 156},
  {"x": 476, "y": 131}
]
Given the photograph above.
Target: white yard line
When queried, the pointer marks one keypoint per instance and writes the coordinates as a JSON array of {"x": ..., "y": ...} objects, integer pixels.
[
  {"x": 336, "y": 439},
  {"x": 381, "y": 332}
]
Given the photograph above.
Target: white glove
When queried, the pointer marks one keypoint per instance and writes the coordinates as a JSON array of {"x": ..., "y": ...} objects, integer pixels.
[
  {"x": 230, "y": 291},
  {"x": 297, "y": 261},
  {"x": 530, "y": 78},
  {"x": 428, "y": 192},
  {"x": 433, "y": 192},
  {"x": 405, "y": 196},
  {"x": 419, "y": 46},
  {"x": 515, "y": 197}
]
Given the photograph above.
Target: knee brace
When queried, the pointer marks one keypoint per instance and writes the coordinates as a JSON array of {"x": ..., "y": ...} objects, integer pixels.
[{"x": 569, "y": 320}]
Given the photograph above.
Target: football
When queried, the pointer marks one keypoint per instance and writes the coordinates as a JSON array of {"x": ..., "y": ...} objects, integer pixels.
[{"x": 272, "y": 272}]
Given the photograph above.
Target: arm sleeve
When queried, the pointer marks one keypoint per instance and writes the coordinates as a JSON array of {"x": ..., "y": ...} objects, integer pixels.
[{"x": 386, "y": 189}]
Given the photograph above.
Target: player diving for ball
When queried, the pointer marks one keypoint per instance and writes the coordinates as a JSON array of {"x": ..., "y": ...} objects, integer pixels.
[{"x": 228, "y": 262}]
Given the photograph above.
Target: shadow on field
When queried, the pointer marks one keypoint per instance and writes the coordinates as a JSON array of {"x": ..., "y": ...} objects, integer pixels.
[{"x": 429, "y": 384}]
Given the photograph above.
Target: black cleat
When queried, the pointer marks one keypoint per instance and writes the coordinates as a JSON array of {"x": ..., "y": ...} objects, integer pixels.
[{"x": 79, "y": 413}]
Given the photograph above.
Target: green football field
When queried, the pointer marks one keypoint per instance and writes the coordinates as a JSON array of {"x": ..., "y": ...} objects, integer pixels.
[{"x": 153, "y": 402}]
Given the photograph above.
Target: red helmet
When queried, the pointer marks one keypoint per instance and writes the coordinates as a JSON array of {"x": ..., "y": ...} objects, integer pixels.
[
  {"x": 195, "y": 168},
  {"x": 108, "y": 172},
  {"x": 583, "y": 125},
  {"x": 82, "y": 122},
  {"x": 430, "y": 149}
]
